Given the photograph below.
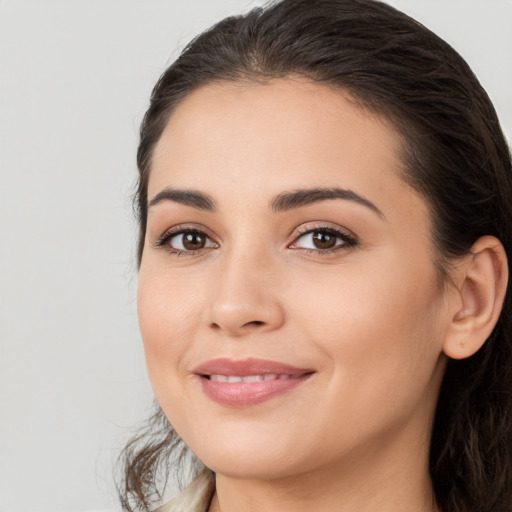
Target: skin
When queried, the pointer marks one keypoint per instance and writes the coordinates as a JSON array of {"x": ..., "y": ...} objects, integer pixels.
[{"x": 370, "y": 319}]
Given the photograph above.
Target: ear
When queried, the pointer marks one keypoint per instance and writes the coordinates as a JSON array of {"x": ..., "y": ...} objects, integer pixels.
[{"x": 481, "y": 283}]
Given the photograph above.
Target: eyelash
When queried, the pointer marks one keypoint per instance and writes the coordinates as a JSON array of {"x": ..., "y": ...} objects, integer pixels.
[
  {"x": 349, "y": 240},
  {"x": 163, "y": 241}
]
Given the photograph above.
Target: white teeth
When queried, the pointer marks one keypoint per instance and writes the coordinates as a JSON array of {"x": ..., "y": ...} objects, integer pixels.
[
  {"x": 220, "y": 378},
  {"x": 248, "y": 378},
  {"x": 253, "y": 378}
]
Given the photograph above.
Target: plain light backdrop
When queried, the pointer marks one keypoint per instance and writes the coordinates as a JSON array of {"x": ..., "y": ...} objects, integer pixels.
[{"x": 75, "y": 78}]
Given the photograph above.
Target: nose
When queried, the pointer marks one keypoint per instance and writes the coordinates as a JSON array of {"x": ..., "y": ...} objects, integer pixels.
[{"x": 246, "y": 297}]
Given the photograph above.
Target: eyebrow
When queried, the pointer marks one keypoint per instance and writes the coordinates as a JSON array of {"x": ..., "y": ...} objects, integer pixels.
[
  {"x": 186, "y": 197},
  {"x": 281, "y": 203},
  {"x": 304, "y": 197}
]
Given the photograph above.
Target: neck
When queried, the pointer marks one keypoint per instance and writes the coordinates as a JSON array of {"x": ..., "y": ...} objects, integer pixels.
[{"x": 249, "y": 496}]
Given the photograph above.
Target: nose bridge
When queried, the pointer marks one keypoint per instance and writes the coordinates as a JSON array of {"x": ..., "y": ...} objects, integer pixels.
[{"x": 246, "y": 296}]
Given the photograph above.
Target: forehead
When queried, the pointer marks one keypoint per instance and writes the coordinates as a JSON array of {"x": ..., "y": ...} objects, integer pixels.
[{"x": 231, "y": 140}]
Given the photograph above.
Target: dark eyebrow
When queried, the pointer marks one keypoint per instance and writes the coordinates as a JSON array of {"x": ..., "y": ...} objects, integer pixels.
[
  {"x": 186, "y": 197},
  {"x": 290, "y": 200}
]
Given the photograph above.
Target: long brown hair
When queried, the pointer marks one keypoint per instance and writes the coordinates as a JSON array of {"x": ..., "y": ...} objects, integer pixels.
[{"x": 455, "y": 155}]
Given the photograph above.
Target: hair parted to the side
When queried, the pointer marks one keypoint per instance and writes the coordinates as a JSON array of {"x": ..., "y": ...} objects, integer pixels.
[{"x": 454, "y": 154}]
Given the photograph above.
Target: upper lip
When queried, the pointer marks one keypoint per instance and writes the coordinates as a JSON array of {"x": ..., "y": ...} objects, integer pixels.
[{"x": 244, "y": 367}]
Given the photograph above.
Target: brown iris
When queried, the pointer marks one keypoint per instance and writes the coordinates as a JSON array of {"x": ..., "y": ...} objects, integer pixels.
[
  {"x": 324, "y": 240},
  {"x": 192, "y": 241}
]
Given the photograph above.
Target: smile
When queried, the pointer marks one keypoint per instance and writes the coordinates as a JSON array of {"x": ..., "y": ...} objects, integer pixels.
[
  {"x": 249, "y": 382},
  {"x": 251, "y": 378}
]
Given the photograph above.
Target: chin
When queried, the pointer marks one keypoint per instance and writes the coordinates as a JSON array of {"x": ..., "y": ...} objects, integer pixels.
[
  {"x": 265, "y": 467},
  {"x": 249, "y": 455}
]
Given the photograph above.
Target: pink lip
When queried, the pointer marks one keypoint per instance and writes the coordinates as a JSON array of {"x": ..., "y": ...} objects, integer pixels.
[{"x": 245, "y": 394}]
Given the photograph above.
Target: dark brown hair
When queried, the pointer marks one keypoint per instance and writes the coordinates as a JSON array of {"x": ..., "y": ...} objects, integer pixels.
[{"x": 454, "y": 154}]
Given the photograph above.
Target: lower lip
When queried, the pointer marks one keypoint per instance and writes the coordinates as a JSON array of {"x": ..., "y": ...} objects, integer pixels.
[{"x": 246, "y": 394}]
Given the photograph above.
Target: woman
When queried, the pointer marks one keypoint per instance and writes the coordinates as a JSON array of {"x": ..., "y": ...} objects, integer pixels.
[{"x": 325, "y": 219}]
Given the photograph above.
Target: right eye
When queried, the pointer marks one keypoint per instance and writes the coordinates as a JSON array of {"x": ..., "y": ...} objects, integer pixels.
[{"x": 186, "y": 241}]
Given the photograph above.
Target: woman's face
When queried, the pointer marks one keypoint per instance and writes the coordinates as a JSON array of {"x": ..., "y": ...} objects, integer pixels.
[{"x": 290, "y": 309}]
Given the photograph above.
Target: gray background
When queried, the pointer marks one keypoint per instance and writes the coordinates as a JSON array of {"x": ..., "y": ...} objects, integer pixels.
[{"x": 75, "y": 77}]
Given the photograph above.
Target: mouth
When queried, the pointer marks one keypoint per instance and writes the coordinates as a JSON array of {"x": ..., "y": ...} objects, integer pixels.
[
  {"x": 250, "y": 378},
  {"x": 244, "y": 383}
]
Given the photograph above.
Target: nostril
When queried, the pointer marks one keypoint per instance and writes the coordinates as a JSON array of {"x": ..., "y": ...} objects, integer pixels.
[{"x": 255, "y": 323}]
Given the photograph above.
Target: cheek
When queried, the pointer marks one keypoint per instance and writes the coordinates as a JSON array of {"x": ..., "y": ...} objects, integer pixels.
[
  {"x": 380, "y": 351},
  {"x": 379, "y": 327},
  {"x": 167, "y": 319}
]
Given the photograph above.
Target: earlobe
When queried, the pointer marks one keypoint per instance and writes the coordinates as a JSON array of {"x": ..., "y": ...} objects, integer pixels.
[{"x": 481, "y": 285}]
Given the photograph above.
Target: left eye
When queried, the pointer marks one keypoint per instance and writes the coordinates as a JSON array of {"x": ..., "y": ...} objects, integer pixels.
[
  {"x": 321, "y": 239},
  {"x": 190, "y": 241}
]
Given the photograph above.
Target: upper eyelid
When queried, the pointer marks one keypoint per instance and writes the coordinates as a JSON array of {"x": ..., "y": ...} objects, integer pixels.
[
  {"x": 307, "y": 227},
  {"x": 183, "y": 228}
]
